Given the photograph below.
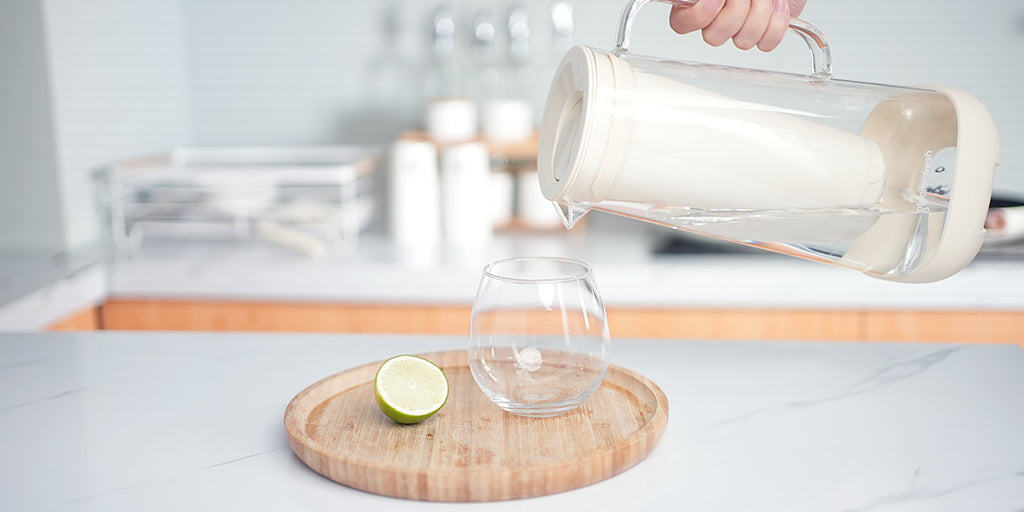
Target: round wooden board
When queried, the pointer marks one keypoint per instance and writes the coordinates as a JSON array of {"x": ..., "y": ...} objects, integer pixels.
[{"x": 471, "y": 450}]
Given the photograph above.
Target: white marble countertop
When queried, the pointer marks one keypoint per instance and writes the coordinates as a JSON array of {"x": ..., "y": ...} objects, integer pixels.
[
  {"x": 38, "y": 288},
  {"x": 627, "y": 272},
  {"x": 178, "y": 421}
]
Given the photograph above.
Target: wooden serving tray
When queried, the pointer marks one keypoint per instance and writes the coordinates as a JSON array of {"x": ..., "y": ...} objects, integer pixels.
[{"x": 471, "y": 450}]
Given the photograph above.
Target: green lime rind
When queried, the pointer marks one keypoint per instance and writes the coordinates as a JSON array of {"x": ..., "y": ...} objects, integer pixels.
[{"x": 405, "y": 388}]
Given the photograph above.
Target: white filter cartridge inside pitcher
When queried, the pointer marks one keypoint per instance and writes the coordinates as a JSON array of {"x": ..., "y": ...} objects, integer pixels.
[{"x": 612, "y": 133}]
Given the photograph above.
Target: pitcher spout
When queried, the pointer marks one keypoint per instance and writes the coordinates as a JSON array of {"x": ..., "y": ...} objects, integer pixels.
[{"x": 570, "y": 212}]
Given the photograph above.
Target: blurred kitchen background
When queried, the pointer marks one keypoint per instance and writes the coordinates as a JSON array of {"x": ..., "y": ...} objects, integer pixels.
[
  {"x": 232, "y": 165},
  {"x": 88, "y": 84}
]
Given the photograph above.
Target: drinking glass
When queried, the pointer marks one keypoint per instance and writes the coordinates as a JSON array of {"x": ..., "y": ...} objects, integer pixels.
[{"x": 539, "y": 342}]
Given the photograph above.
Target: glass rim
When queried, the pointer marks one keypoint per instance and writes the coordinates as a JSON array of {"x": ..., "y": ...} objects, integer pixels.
[{"x": 582, "y": 270}]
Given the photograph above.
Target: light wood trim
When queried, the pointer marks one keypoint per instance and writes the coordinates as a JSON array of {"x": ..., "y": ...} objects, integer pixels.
[
  {"x": 825, "y": 325},
  {"x": 734, "y": 324},
  {"x": 284, "y": 317},
  {"x": 87, "y": 320},
  {"x": 432, "y": 319},
  {"x": 946, "y": 326}
]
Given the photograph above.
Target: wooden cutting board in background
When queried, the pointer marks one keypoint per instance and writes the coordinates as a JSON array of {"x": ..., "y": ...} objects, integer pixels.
[{"x": 471, "y": 450}]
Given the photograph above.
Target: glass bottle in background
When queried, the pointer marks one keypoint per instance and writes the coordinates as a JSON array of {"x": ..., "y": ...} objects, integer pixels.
[
  {"x": 484, "y": 79},
  {"x": 522, "y": 74},
  {"x": 527, "y": 92},
  {"x": 442, "y": 74},
  {"x": 550, "y": 52},
  {"x": 391, "y": 107},
  {"x": 508, "y": 117},
  {"x": 485, "y": 83},
  {"x": 450, "y": 115},
  {"x": 562, "y": 29}
]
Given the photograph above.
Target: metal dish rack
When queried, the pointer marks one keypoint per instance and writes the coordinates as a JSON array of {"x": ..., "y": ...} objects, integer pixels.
[{"x": 315, "y": 200}]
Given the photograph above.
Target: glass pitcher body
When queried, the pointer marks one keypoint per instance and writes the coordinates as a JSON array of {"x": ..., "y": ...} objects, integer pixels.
[{"x": 888, "y": 180}]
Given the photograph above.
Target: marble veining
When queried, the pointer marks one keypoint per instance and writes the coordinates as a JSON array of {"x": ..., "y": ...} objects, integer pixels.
[
  {"x": 26, "y": 362},
  {"x": 26, "y": 403},
  {"x": 885, "y": 376},
  {"x": 927, "y": 492},
  {"x": 175, "y": 477}
]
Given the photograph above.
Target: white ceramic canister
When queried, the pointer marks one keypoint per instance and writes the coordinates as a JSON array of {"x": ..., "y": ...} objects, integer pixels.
[
  {"x": 466, "y": 202},
  {"x": 451, "y": 120},
  {"x": 502, "y": 197},
  {"x": 532, "y": 208},
  {"x": 507, "y": 120},
  {"x": 414, "y": 201}
]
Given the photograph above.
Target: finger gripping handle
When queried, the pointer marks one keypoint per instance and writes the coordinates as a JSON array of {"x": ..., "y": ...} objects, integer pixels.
[{"x": 821, "y": 55}]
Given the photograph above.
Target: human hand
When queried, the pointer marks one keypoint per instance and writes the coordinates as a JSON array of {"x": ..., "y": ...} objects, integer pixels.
[{"x": 748, "y": 23}]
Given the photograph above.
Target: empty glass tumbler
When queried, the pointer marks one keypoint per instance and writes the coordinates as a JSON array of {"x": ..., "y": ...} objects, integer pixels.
[{"x": 539, "y": 341}]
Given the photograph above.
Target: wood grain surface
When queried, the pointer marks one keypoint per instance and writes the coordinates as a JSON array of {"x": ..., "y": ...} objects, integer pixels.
[{"x": 471, "y": 450}]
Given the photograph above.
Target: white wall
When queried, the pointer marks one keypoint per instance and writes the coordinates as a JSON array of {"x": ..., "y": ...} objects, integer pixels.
[
  {"x": 117, "y": 70},
  {"x": 30, "y": 209},
  {"x": 84, "y": 84},
  {"x": 277, "y": 72}
]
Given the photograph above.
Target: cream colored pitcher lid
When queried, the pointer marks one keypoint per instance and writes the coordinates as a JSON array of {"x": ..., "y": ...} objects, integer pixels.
[
  {"x": 581, "y": 141},
  {"x": 978, "y": 152}
]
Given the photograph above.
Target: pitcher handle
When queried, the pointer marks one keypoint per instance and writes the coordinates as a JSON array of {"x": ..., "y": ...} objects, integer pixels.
[{"x": 821, "y": 55}]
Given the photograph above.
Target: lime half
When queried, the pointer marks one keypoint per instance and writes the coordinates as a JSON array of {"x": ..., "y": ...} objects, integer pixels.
[{"x": 410, "y": 389}]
